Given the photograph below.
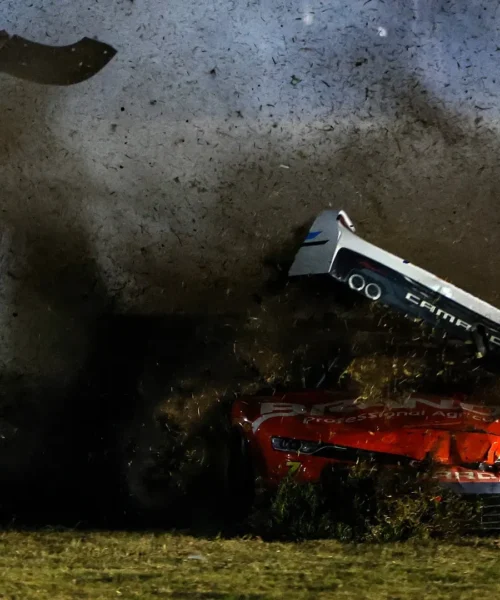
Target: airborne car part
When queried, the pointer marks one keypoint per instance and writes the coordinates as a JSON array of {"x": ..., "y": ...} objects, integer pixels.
[
  {"x": 52, "y": 65},
  {"x": 332, "y": 247},
  {"x": 306, "y": 433}
]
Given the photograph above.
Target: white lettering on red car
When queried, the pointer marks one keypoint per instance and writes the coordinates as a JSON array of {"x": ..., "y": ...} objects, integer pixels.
[
  {"x": 447, "y": 408},
  {"x": 465, "y": 476},
  {"x": 270, "y": 410}
]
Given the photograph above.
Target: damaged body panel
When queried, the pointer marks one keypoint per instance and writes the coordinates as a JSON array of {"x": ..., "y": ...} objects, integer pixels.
[
  {"x": 52, "y": 65},
  {"x": 332, "y": 247},
  {"x": 303, "y": 434}
]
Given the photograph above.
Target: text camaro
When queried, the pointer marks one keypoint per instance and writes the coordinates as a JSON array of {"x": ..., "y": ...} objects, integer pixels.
[{"x": 332, "y": 248}]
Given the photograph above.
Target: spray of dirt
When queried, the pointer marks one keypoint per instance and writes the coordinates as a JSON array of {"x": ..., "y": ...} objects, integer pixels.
[{"x": 143, "y": 438}]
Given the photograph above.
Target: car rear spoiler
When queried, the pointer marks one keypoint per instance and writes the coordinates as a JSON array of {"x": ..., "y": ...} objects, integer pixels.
[{"x": 333, "y": 248}]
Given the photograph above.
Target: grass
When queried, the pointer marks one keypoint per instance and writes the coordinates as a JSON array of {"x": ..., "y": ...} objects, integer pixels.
[
  {"x": 366, "y": 503},
  {"x": 76, "y": 564},
  {"x": 60, "y": 565}
]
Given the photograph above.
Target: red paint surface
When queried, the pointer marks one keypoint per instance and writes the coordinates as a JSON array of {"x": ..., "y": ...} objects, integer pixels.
[{"x": 456, "y": 434}]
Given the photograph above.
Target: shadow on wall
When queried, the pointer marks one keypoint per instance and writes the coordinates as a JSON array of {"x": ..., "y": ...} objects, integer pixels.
[
  {"x": 138, "y": 439},
  {"x": 51, "y": 286},
  {"x": 52, "y": 297},
  {"x": 141, "y": 437}
]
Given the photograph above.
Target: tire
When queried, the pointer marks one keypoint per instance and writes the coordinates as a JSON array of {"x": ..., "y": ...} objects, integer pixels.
[{"x": 240, "y": 476}]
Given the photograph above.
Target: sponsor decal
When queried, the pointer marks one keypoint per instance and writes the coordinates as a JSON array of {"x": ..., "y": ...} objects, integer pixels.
[
  {"x": 446, "y": 408},
  {"x": 387, "y": 415},
  {"x": 373, "y": 291},
  {"x": 439, "y": 313},
  {"x": 450, "y": 475},
  {"x": 311, "y": 239},
  {"x": 270, "y": 410},
  {"x": 293, "y": 467},
  {"x": 390, "y": 415}
]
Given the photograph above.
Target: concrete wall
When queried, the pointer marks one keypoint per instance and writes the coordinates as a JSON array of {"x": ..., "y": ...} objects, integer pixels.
[{"x": 218, "y": 128}]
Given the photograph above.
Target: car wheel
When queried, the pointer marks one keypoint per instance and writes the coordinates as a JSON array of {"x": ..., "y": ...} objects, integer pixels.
[{"x": 240, "y": 477}]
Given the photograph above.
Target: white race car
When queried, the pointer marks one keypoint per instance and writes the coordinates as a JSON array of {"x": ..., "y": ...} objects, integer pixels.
[{"x": 332, "y": 247}]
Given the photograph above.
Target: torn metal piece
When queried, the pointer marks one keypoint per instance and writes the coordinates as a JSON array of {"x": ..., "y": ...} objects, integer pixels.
[{"x": 53, "y": 65}]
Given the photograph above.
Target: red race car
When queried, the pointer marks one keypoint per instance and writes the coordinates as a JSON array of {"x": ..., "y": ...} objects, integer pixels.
[{"x": 303, "y": 433}]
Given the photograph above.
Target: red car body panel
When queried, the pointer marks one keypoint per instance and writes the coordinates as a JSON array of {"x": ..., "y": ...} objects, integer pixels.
[{"x": 464, "y": 438}]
